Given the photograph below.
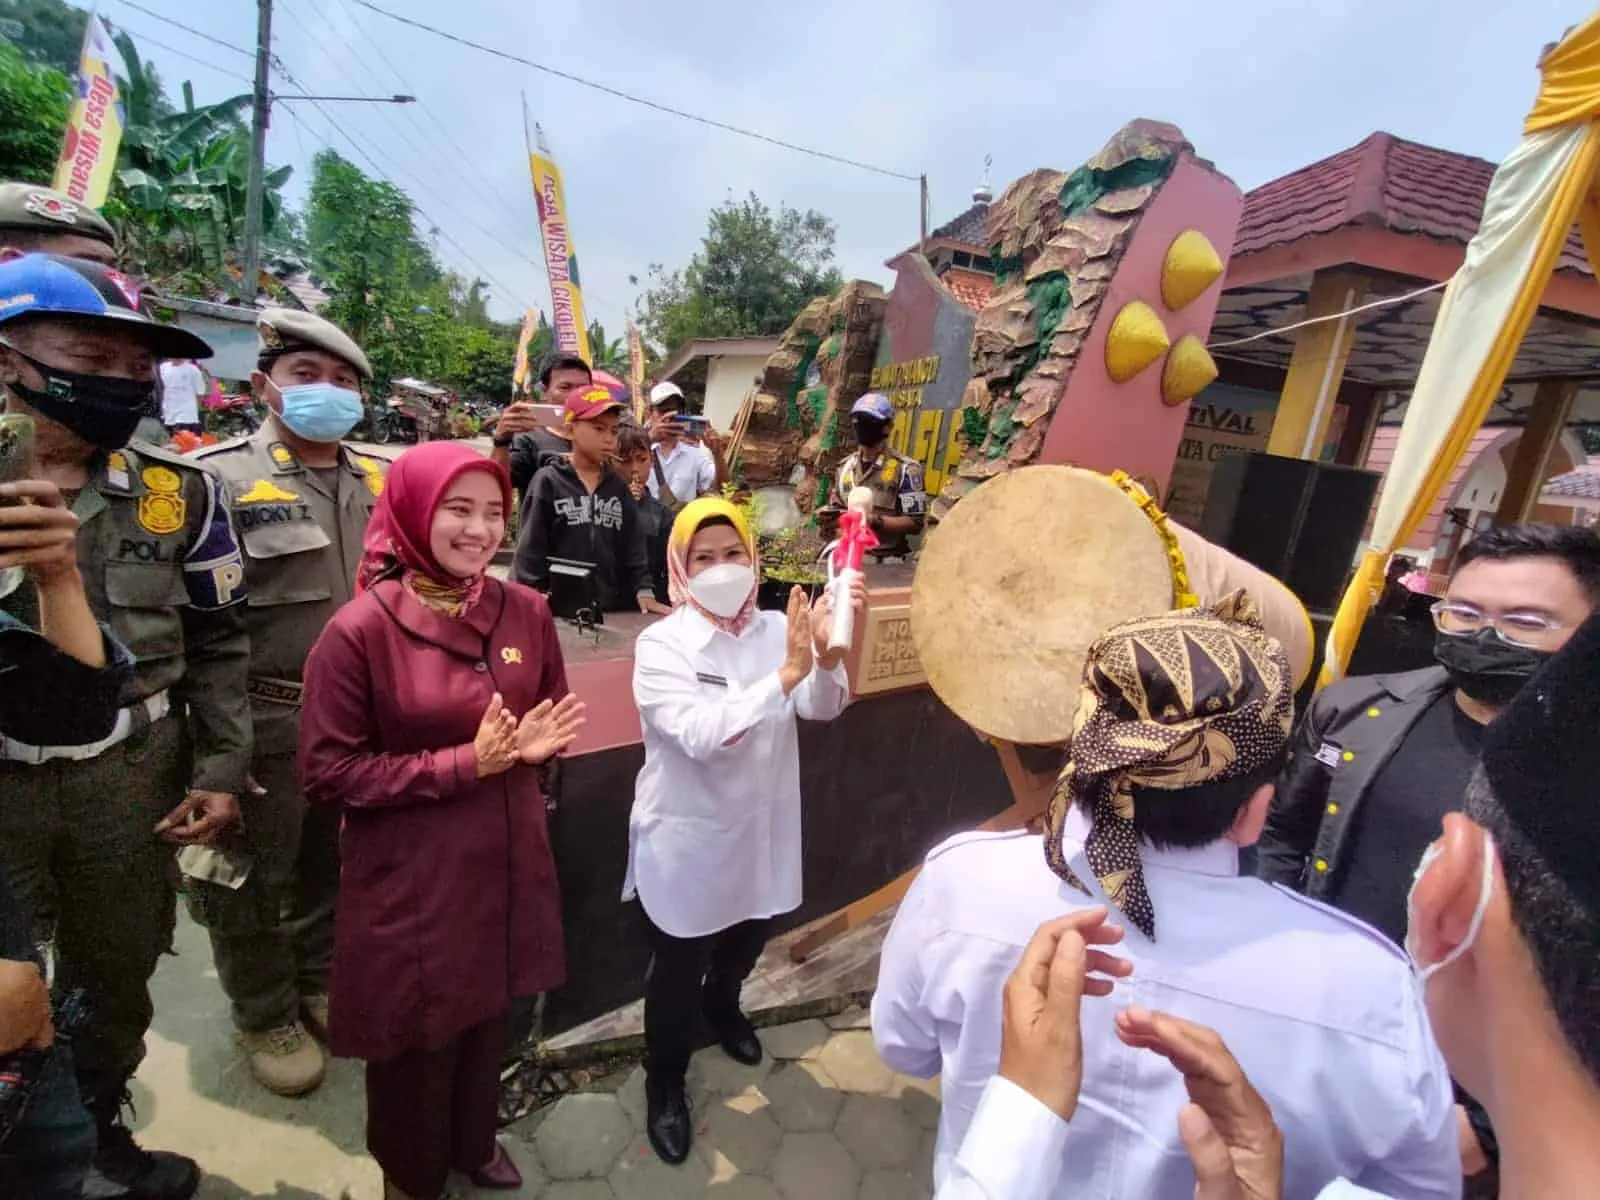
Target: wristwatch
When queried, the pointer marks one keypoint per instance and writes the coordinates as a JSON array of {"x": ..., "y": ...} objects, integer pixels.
[{"x": 503, "y": 441}]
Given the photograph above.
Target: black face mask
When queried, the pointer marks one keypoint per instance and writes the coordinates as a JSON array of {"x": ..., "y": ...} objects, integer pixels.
[
  {"x": 1485, "y": 667},
  {"x": 869, "y": 432},
  {"x": 104, "y": 411}
]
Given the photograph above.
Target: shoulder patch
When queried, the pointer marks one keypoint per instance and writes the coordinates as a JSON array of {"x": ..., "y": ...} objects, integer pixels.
[
  {"x": 1344, "y": 918},
  {"x": 283, "y": 459}
]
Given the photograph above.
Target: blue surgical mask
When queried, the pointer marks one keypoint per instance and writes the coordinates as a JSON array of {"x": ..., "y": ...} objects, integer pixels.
[
  {"x": 1426, "y": 971},
  {"x": 320, "y": 412}
]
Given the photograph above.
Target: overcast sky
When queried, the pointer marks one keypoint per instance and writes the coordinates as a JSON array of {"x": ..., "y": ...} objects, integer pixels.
[{"x": 1259, "y": 86}]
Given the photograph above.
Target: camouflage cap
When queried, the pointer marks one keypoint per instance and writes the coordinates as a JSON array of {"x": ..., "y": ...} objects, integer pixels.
[
  {"x": 286, "y": 329},
  {"x": 41, "y": 210}
]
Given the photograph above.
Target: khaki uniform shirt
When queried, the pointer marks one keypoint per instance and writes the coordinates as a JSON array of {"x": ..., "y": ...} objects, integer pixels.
[
  {"x": 302, "y": 529},
  {"x": 897, "y": 491},
  {"x": 163, "y": 571}
]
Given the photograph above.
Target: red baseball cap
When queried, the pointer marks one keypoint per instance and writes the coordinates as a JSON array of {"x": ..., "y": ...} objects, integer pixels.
[{"x": 588, "y": 404}]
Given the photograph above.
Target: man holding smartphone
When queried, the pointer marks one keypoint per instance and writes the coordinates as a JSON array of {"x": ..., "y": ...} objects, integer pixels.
[{"x": 685, "y": 468}]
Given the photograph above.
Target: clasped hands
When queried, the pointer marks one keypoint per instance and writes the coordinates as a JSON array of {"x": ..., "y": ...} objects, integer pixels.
[
  {"x": 1233, "y": 1142},
  {"x": 543, "y": 732}
]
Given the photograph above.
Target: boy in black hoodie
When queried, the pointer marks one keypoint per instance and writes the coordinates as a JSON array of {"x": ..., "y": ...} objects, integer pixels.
[{"x": 579, "y": 508}]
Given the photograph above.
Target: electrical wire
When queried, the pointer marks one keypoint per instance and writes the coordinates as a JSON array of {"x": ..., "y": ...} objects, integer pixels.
[
  {"x": 215, "y": 41},
  {"x": 389, "y": 114},
  {"x": 633, "y": 99},
  {"x": 484, "y": 272},
  {"x": 211, "y": 66},
  {"x": 1384, "y": 302}
]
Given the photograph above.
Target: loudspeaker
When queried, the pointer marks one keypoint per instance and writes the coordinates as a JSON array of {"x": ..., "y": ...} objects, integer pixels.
[{"x": 1299, "y": 521}]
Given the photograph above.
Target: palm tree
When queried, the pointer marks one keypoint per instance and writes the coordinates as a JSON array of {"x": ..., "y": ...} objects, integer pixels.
[{"x": 606, "y": 354}]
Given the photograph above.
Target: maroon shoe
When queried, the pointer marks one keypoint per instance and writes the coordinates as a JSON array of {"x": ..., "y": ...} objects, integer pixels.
[{"x": 501, "y": 1175}]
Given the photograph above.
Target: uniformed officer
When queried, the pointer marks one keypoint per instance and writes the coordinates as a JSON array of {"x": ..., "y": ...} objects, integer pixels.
[
  {"x": 300, "y": 499},
  {"x": 87, "y": 832},
  {"x": 898, "y": 500},
  {"x": 34, "y": 218}
]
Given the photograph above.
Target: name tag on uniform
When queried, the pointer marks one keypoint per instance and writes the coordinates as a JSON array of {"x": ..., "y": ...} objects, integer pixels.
[
  {"x": 713, "y": 680},
  {"x": 1328, "y": 754}
]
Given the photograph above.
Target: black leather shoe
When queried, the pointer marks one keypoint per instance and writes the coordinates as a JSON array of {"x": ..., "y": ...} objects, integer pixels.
[
  {"x": 667, "y": 1122},
  {"x": 123, "y": 1168},
  {"x": 738, "y": 1040}
]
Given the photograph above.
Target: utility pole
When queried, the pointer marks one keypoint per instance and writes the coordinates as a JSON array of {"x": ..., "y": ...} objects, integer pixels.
[{"x": 262, "y": 113}]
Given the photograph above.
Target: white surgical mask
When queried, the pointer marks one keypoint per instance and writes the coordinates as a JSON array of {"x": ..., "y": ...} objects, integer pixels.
[
  {"x": 1427, "y": 971},
  {"x": 723, "y": 589}
]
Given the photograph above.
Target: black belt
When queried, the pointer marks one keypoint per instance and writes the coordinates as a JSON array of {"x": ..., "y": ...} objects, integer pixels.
[{"x": 275, "y": 691}]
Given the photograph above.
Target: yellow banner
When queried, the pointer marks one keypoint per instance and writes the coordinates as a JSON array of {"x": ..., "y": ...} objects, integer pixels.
[
  {"x": 561, "y": 261},
  {"x": 94, "y": 123},
  {"x": 641, "y": 402},
  {"x": 521, "y": 374}
]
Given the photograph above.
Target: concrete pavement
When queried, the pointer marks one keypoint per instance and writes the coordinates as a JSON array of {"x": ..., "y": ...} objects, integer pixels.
[{"x": 820, "y": 1119}]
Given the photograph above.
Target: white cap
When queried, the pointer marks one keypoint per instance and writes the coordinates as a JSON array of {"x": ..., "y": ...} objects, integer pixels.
[{"x": 662, "y": 392}]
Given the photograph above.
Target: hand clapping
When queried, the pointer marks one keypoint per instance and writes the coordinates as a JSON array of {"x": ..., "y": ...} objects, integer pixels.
[
  {"x": 799, "y": 650},
  {"x": 548, "y": 729}
]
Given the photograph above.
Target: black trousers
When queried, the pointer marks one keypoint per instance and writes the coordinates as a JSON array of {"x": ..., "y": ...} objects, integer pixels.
[{"x": 689, "y": 978}]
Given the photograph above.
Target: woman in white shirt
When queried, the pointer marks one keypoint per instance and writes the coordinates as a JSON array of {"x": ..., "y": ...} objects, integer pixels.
[{"x": 714, "y": 840}]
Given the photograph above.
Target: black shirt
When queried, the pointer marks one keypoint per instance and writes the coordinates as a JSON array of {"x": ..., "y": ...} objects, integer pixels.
[
  {"x": 563, "y": 519},
  {"x": 1401, "y": 813},
  {"x": 529, "y": 453}
]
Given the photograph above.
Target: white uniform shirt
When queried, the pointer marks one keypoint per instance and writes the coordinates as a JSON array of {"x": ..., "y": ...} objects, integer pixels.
[
  {"x": 715, "y": 834},
  {"x": 1016, "y": 1149},
  {"x": 690, "y": 471},
  {"x": 1323, "y": 1014},
  {"x": 182, "y": 384}
]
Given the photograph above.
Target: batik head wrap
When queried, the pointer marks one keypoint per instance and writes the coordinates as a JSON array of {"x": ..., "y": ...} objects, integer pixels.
[
  {"x": 400, "y": 532},
  {"x": 1173, "y": 701},
  {"x": 695, "y": 514}
]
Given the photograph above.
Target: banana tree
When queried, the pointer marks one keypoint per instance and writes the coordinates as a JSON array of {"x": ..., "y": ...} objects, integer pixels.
[{"x": 182, "y": 182}]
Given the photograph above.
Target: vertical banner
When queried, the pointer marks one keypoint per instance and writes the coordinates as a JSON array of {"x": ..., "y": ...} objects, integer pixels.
[
  {"x": 522, "y": 373},
  {"x": 94, "y": 122},
  {"x": 566, "y": 294},
  {"x": 641, "y": 402}
]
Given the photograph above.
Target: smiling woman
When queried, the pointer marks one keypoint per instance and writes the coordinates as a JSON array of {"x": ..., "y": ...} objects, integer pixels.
[{"x": 431, "y": 702}]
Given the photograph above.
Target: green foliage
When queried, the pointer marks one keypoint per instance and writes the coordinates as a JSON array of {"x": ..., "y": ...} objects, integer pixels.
[
  {"x": 33, "y": 117},
  {"x": 754, "y": 272},
  {"x": 389, "y": 293},
  {"x": 178, "y": 196},
  {"x": 606, "y": 354},
  {"x": 52, "y": 31}
]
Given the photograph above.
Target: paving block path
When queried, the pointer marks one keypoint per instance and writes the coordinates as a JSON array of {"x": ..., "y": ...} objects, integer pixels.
[{"x": 821, "y": 1118}]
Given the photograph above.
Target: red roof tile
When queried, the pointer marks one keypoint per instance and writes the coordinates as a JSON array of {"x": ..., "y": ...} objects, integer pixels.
[
  {"x": 972, "y": 288},
  {"x": 1384, "y": 182}
]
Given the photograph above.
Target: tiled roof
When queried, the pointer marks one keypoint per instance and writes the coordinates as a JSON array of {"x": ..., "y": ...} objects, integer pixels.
[
  {"x": 1581, "y": 484},
  {"x": 1385, "y": 182},
  {"x": 972, "y": 288},
  {"x": 971, "y": 228}
]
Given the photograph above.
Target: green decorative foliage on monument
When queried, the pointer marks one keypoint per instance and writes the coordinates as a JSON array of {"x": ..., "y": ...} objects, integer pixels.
[{"x": 1058, "y": 241}]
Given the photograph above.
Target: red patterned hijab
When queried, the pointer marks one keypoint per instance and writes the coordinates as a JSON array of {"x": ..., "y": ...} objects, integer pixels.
[{"x": 398, "y": 537}]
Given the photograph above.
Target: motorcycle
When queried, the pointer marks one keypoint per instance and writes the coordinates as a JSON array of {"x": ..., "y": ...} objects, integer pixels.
[
  {"x": 390, "y": 422},
  {"x": 230, "y": 416}
]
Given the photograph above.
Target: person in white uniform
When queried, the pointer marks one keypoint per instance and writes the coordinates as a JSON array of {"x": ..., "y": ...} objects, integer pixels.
[
  {"x": 182, "y": 385},
  {"x": 682, "y": 467},
  {"x": 714, "y": 839},
  {"x": 1504, "y": 919},
  {"x": 1182, "y": 724}
]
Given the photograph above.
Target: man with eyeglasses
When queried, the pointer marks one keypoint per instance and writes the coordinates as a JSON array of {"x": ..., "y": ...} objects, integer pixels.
[{"x": 1379, "y": 760}]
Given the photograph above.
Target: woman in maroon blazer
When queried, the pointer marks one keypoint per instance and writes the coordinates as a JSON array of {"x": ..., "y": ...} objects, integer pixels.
[{"x": 431, "y": 700}]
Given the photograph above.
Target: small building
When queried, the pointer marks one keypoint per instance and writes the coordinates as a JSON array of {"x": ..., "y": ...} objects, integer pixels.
[
  {"x": 720, "y": 372},
  {"x": 228, "y": 329}
]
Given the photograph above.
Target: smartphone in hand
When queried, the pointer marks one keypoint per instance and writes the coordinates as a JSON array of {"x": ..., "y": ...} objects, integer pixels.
[{"x": 16, "y": 448}]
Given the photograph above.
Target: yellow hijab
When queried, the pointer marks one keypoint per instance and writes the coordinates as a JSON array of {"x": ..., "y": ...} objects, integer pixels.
[{"x": 695, "y": 514}]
